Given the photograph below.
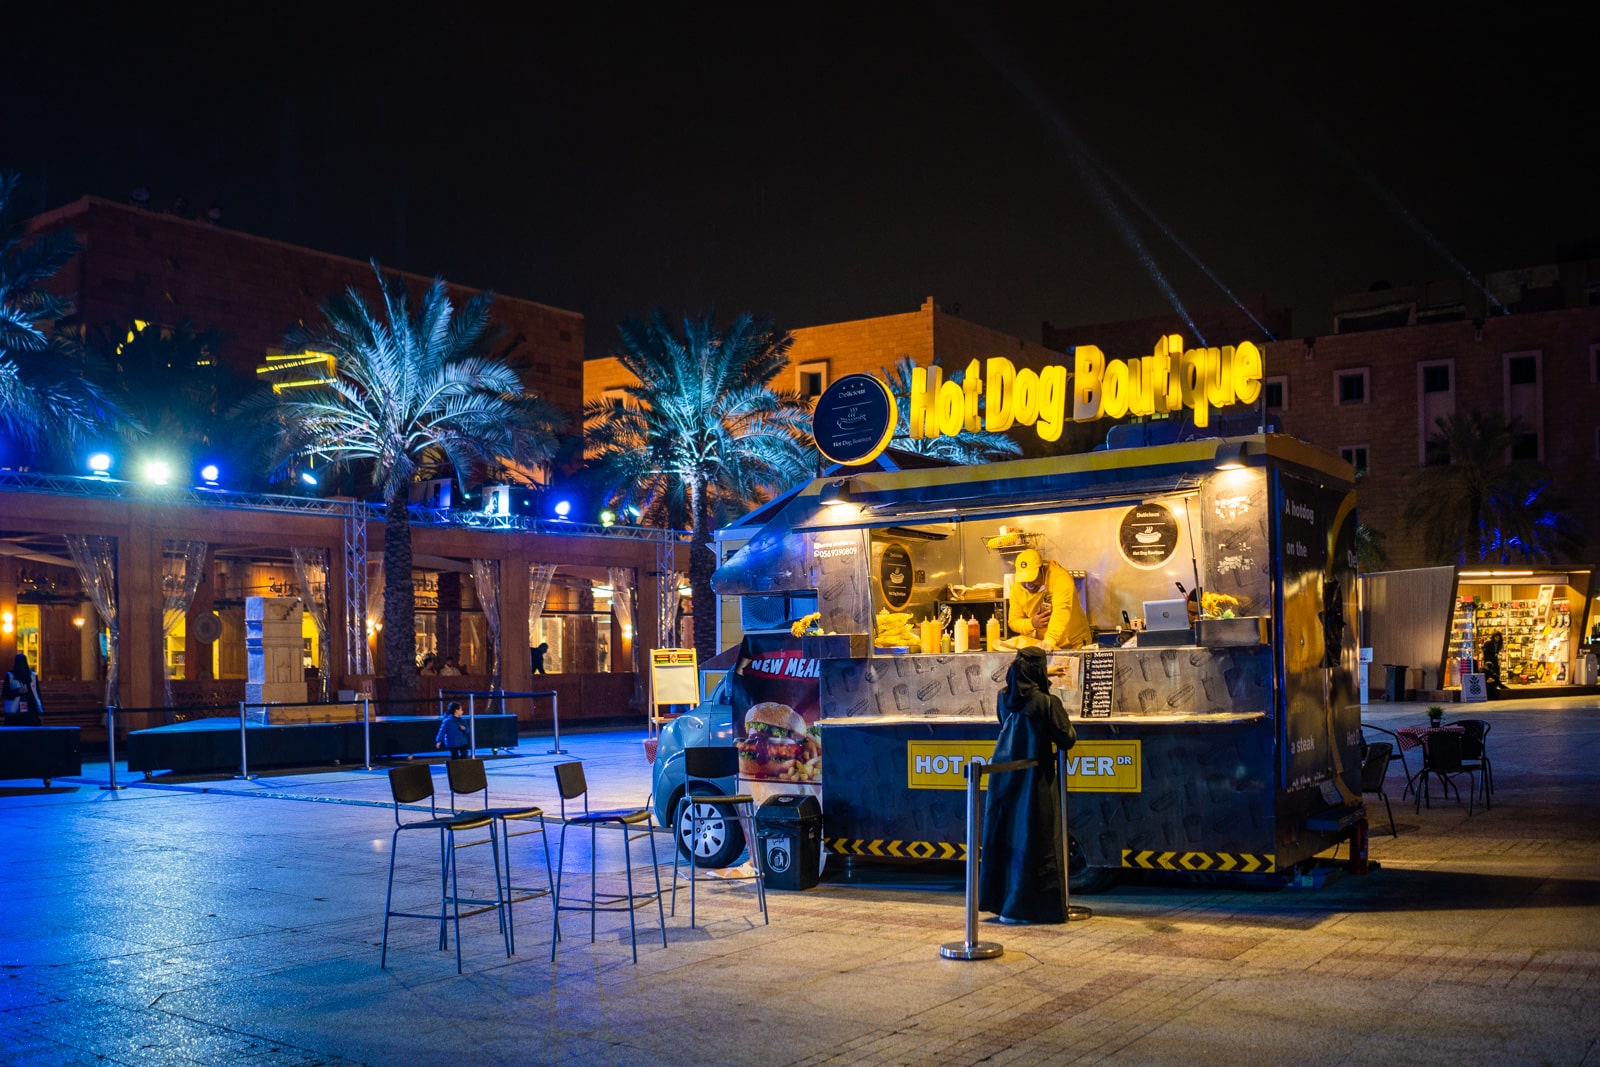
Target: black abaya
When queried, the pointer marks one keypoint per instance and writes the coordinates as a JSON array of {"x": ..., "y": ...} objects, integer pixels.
[{"x": 1019, "y": 875}]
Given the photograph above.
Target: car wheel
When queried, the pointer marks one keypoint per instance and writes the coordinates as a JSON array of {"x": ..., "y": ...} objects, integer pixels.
[
  {"x": 719, "y": 841},
  {"x": 1082, "y": 878}
]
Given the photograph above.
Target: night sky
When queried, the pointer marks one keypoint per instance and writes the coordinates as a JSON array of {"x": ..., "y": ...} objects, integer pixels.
[{"x": 822, "y": 164}]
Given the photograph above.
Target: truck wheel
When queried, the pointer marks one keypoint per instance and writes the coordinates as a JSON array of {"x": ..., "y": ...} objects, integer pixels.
[
  {"x": 720, "y": 840},
  {"x": 1082, "y": 878}
]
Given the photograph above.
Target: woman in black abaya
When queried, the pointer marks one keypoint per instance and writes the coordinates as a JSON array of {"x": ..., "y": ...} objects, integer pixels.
[{"x": 1019, "y": 877}]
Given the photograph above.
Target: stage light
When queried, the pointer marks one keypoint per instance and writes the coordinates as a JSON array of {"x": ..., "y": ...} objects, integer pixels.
[
  {"x": 157, "y": 471},
  {"x": 608, "y": 518},
  {"x": 100, "y": 464},
  {"x": 308, "y": 477},
  {"x": 563, "y": 508},
  {"x": 209, "y": 474},
  {"x": 634, "y": 513}
]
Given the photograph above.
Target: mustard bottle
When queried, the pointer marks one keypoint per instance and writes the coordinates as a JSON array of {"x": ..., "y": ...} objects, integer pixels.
[{"x": 991, "y": 633}]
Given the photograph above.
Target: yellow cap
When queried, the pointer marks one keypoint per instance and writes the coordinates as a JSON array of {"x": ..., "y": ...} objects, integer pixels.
[{"x": 1028, "y": 564}]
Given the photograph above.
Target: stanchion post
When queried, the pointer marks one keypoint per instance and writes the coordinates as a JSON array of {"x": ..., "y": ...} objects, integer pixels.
[
  {"x": 244, "y": 749},
  {"x": 555, "y": 723},
  {"x": 1072, "y": 911},
  {"x": 111, "y": 746},
  {"x": 366, "y": 732},
  {"x": 972, "y": 948},
  {"x": 472, "y": 726}
]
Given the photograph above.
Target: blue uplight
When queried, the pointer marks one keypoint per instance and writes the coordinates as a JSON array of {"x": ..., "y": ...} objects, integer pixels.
[{"x": 563, "y": 508}]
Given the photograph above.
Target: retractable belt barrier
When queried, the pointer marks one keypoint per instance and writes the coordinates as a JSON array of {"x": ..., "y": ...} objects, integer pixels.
[{"x": 971, "y": 948}]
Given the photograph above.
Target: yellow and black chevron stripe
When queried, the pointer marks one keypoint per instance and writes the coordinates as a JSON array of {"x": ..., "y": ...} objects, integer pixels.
[
  {"x": 1196, "y": 862},
  {"x": 906, "y": 850}
]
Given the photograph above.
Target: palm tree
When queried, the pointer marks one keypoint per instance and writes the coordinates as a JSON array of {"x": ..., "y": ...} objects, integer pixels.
[
  {"x": 412, "y": 394},
  {"x": 702, "y": 426},
  {"x": 966, "y": 447},
  {"x": 49, "y": 397},
  {"x": 175, "y": 384},
  {"x": 1482, "y": 504}
]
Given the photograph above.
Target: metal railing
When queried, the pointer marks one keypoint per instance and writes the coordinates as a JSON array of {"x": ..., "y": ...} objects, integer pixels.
[{"x": 502, "y": 696}]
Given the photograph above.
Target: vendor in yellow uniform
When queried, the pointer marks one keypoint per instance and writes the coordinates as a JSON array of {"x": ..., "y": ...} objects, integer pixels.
[{"x": 1044, "y": 604}]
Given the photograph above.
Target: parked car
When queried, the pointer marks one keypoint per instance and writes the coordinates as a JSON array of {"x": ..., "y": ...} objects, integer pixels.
[{"x": 720, "y": 841}]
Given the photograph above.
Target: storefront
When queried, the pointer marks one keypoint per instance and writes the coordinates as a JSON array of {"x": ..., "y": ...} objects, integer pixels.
[
  {"x": 1428, "y": 622},
  {"x": 1228, "y": 745}
]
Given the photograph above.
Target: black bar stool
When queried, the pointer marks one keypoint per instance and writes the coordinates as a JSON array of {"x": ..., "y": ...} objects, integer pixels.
[
  {"x": 411, "y": 784},
  {"x": 709, "y": 813},
  {"x": 633, "y": 823},
  {"x": 467, "y": 776}
]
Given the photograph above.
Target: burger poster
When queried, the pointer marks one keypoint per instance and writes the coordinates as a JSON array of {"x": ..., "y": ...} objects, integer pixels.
[{"x": 775, "y": 711}]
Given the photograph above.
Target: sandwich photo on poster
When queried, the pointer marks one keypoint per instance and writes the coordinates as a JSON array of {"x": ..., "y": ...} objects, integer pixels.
[{"x": 775, "y": 710}]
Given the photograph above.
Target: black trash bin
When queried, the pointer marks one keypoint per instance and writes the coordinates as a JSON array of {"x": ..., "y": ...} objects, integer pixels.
[
  {"x": 790, "y": 829},
  {"x": 1394, "y": 681}
]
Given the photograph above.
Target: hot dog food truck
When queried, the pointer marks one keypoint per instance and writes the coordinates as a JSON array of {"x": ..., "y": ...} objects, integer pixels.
[{"x": 1210, "y": 675}]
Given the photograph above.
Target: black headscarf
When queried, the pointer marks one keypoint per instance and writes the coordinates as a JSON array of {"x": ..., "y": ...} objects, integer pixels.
[{"x": 1027, "y": 684}]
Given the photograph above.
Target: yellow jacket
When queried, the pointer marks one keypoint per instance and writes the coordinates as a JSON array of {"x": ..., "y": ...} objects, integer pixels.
[{"x": 1069, "y": 626}]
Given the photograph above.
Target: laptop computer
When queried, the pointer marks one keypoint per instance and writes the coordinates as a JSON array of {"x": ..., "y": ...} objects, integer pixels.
[{"x": 1166, "y": 614}]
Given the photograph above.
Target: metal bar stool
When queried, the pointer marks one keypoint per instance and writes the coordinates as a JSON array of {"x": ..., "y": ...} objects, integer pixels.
[
  {"x": 633, "y": 823},
  {"x": 708, "y": 815},
  {"x": 467, "y": 776},
  {"x": 411, "y": 784}
]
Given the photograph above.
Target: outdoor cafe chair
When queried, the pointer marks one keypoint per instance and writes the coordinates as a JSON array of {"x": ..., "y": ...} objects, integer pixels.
[
  {"x": 467, "y": 776},
  {"x": 631, "y": 824},
  {"x": 412, "y": 783},
  {"x": 1475, "y": 751},
  {"x": 708, "y": 815},
  {"x": 1396, "y": 751},
  {"x": 1374, "y": 767},
  {"x": 1441, "y": 759}
]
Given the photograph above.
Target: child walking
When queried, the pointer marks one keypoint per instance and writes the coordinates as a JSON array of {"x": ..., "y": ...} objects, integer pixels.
[{"x": 453, "y": 732}]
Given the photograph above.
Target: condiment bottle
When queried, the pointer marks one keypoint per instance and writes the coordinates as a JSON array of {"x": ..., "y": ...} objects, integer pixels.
[
  {"x": 962, "y": 635},
  {"x": 974, "y": 634},
  {"x": 991, "y": 633}
]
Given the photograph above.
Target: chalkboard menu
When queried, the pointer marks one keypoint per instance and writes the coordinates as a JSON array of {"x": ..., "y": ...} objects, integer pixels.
[
  {"x": 1099, "y": 673},
  {"x": 854, "y": 419},
  {"x": 894, "y": 574}
]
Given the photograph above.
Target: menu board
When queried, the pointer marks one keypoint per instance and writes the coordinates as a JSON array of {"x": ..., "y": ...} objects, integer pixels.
[
  {"x": 674, "y": 677},
  {"x": 1099, "y": 675}
]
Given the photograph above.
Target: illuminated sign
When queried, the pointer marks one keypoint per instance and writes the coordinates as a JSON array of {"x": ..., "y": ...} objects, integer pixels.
[
  {"x": 854, "y": 419},
  {"x": 941, "y": 764},
  {"x": 997, "y": 395},
  {"x": 1092, "y": 766}
]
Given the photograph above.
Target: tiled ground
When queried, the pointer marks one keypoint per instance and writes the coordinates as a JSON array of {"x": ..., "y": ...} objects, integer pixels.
[{"x": 238, "y": 923}]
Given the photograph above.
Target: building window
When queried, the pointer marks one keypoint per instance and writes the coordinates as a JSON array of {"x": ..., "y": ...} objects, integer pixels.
[
  {"x": 1350, "y": 386},
  {"x": 1524, "y": 387},
  {"x": 1356, "y": 456},
  {"x": 810, "y": 379},
  {"x": 614, "y": 396},
  {"x": 1436, "y": 400},
  {"x": 1276, "y": 392}
]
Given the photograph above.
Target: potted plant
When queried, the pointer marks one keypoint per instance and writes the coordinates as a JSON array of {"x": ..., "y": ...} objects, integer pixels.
[{"x": 1435, "y": 715}]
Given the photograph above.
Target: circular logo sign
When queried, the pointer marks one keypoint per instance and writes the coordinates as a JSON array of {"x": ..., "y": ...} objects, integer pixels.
[
  {"x": 894, "y": 574},
  {"x": 854, "y": 419},
  {"x": 1149, "y": 535}
]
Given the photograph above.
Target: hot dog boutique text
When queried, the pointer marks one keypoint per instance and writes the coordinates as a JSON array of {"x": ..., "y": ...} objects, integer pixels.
[{"x": 996, "y": 396}]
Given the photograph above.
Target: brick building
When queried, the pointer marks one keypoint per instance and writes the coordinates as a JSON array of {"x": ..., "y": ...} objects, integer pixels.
[
  {"x": 163, "y": 269},
  {"x": 821, "y": 354}
]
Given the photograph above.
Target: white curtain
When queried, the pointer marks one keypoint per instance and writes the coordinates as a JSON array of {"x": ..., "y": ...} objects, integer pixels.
[
  {"x": 623, "y": 598},
  {"x": 668, "y": 603},
  {"x": 182, "y": 564},
  {"x": 486, "y": 579},
  {"x": 539, "y": 575},
  {"x": 311, "y": 574},
  {"x": 96, "y": 560}
]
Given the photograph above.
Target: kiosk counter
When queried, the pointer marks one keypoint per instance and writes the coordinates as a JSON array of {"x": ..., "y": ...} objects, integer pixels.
[{"x": 1230, "y": 745}]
